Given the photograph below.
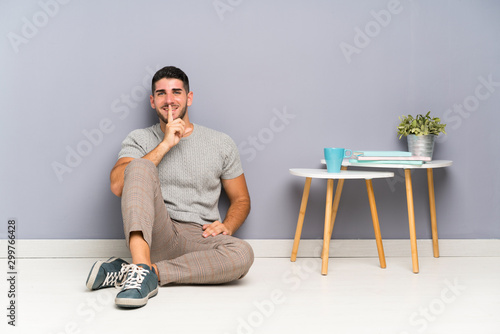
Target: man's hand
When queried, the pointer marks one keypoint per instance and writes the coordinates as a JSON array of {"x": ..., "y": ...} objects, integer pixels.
[
  {"x": 214, "y": 229},
  {"x": 174, "y": 130}
]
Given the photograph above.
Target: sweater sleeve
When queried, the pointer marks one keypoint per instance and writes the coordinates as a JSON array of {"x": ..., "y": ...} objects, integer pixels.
[
  {"x": 134, "y": 145},
  {"x": 232, "y": 163}
]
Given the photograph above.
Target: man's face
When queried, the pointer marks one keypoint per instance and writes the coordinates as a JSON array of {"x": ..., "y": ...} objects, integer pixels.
[{"x": 170, "y": 92}]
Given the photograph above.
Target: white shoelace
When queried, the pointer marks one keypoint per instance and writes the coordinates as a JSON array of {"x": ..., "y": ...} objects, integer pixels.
[
  {"x": 135, "y": 276},
  {"x": 114, "y": 277}
]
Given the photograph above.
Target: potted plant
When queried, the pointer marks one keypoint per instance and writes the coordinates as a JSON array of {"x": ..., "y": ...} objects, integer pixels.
[{"x": 421, "y": 132}]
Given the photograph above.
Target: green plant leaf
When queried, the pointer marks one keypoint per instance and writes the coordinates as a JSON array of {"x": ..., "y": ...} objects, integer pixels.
[{"x": 420, "y": 125}]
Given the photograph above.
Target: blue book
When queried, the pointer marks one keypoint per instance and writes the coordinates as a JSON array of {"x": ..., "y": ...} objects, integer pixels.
[
  {"x": 382, "y": 153},
  {"x": 400, "y": 162}
]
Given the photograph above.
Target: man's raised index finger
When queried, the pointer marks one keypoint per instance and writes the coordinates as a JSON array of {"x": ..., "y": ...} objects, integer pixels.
[{"x": 170, "y": 118}]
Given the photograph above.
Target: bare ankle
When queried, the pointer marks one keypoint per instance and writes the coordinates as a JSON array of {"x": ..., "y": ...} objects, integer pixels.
[
  {"x": 156, "y": 271},
  {"x": 139, "y": 249}
]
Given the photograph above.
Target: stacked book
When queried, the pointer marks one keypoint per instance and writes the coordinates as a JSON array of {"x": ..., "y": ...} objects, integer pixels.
[{"x": 387, "y": 157}]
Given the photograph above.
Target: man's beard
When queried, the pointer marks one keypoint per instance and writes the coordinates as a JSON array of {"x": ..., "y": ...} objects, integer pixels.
[{"x": 164, "y": 119}]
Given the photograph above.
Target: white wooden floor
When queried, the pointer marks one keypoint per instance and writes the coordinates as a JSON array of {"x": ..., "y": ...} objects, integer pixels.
[{"x": 449, "y": 295}]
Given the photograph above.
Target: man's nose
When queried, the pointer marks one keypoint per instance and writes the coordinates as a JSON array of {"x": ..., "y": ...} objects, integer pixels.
[{"x": 169, "y": 98}]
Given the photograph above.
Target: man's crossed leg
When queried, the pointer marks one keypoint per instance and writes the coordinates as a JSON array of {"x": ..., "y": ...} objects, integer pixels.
[{"x": 164, "y": 251}]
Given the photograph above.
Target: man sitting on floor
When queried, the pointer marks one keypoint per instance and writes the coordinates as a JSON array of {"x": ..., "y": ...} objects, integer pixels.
[{"x": 169, "y": 177}]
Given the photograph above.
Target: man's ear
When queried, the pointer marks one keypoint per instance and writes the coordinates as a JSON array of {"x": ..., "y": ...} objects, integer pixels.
[{"x": 152, "y": 101}]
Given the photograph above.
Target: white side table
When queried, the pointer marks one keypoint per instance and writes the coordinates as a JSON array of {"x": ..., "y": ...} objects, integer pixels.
[
  {"x": 331, "y": 207},
  {"x": 409, "y": 199}
]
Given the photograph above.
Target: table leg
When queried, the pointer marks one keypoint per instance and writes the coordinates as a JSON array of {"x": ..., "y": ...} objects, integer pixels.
[
  {"x": 300, "y": 222},
  {"x": 432, "y": 204},
  {"x": 327, "y": 234},
  {"x": 376, "y": 225},
  {"x": 411, "y": 220},
  {"x": 336, "y": 200}
]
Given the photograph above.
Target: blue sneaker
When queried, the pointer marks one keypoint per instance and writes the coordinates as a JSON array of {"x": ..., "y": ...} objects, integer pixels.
[
  {"x": 106, "y": 274},
  {"x": 140, "y": 285}
]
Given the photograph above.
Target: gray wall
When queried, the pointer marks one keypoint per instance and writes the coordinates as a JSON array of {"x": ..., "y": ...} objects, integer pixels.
[{"x": 283, "y": 78}]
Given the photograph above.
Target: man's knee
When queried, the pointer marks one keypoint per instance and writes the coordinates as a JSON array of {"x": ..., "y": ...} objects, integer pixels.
[
  {"x": 140, "y": 164},
  {"x": 246, "y": 256},
  {"x": 141, "y": 169}
]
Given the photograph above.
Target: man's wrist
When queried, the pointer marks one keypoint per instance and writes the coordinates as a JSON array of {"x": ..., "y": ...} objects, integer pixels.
[
  {"x": 163, "y": 144},
  {"x": 164, "y": 147},
  {"x": 228, "y": 227}
]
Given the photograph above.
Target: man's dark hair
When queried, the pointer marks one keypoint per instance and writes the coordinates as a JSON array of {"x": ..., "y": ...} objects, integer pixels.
[{"x": 170, "y": 72}]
